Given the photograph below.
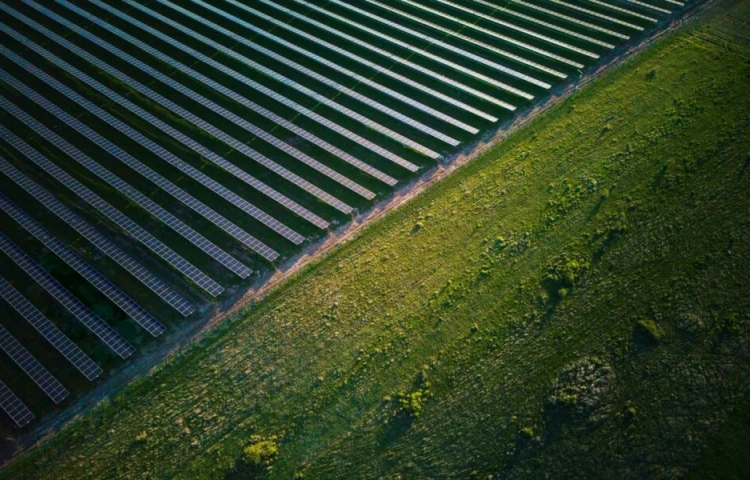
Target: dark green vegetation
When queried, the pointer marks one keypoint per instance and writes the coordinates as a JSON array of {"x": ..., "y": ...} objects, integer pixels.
[{"x": 516, "y": 287}]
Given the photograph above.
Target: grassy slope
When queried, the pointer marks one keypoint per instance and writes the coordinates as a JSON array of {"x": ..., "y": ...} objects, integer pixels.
[{"x": 644, "y": 175}]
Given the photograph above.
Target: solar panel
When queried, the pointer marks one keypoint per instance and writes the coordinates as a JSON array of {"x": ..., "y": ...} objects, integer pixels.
[
  {"x": 504, "y": 38},
  {"x": 596, "y": 14},
  {"x": 652, "y": 7},
  {"x": 266, "y": 162},
  {"x": 177, "y": 225},
  {"x": 95, "y": 324},
  {"x": 485, "y": 46},
  {"x": 208, "y": 213},
  {"x": 437, "y": 58},
  {"x": 511, "y": 26},
  {"x": 14, "y": 407},
  {"x": 290, "y": 150},
  {"x": 318, "y": 97},
  {"x": 247, "y": 103},
  {"x": 351, "y": 56},
  {"x": 127, "y": 225},
  {"x": 570, "y": 19},
  {"x": 176, "y": 162},
  {"x": 310, "y": 93},
  {"x": 117, "y": 296},
  {"x": 127, "y": 262},
  {"x": 31, "y": 366},
  {"x": 478, "y": 59},
  {"x": 276, "y": 96},
  {"x": 622, "y": 10},
  {"x": 390, "y": 55},
  {"x": 358, "y": 78},
  {"x": 49, "y": 331},
  {"x": 548, "y": 25}
]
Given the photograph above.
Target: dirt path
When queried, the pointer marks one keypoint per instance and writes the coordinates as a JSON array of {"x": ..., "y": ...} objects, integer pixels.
[{"x": 187, "y": 334}]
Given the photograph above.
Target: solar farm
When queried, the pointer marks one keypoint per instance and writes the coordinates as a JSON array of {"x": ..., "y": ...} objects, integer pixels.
[{"x": 158, "y": 157}]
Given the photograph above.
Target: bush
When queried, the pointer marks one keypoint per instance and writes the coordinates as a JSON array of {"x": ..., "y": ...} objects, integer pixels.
[
  {"x": 630, "y": 414},
  {"x": 261, "y": 451},
  {"x": 412, "y": 404},
  {"x": 582, "y": 388},
  {"x": 562, "y": 274},
  {"x": 650, "y": 329}
]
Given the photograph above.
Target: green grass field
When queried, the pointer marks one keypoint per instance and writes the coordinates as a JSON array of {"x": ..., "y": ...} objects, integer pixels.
[{"x": 573, "y": 304}]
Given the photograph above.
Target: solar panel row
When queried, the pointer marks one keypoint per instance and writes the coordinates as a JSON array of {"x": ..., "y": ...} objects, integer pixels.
[
  {"x": 241, "y": 99},
  {"x": 547, "y": 25},
  {"x": 374, "y": 66},
  {"x": 648, "y": 5},
  {"x": 464, "y": 53},
  {"x": 392, "y": 56},
  {"x": 426, "y": 54},
  {"x": 652, "y": 7},
  {"x": 124, "y": 188},
  {"x": 568, "y": 18},
  {"x": 88, "y": 232},
  {"x": 136, "y": 165},
  {"x": 14, "y": 407},
  {"x": 173, "y": 160},
  {"x": 596, "y": 14},
  {"x": 615, "y": 8},
  {"x": 49, "y": 331},
  {"x": 434, "y": 41},
  {"x": 335, "y": 66},
  {"x": 366, "y": 100},
  {"x": 208, "y": 213},
  {"x": 276, "y": 96},
  {"x": 305, "y": 90},
  {"x": 436, "y": 58},
  {"x": 31, "y": 366},
  {"x": 514, "y": 27},
  {"x": 266, "y": 162},
  {"x": 117, "y": 296},
  {"x": 506, "y": 39},
  {"x": 95, "y": 324},
  {"x": 477, "y": 58},
  {"x": 117, "y": 217}
]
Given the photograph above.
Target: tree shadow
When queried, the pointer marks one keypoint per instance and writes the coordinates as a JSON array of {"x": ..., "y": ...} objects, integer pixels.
[
  {"x": 396, "y": 427},
  {"x": 244, "y": 470}
]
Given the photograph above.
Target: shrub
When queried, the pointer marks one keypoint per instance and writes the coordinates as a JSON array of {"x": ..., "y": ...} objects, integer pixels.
[
  {"x": 582, "y": 388},
  {"x": 630, "y": 414},
  {"x": 690, "y": 324},
  {"x": 412, "y": 404},
  {"x": 562, "y": 274},
  {"x": 261, "y": 451},
  {"x": 650, "y": 329}
]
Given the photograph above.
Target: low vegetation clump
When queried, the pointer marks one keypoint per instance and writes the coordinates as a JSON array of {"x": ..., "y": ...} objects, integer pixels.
[
  {"x": 650, "y": 330},
  {"x": 261, "y": 452},
  {"x": 581, "y": 388},
  {"x": 562, "y": 274},
  {"x": 412, "y": 403},
  {"x": 690, "y": 324}
]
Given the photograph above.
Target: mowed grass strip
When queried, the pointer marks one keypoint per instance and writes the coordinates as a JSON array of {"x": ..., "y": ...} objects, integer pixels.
[{"x": 612, "y": 228}]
